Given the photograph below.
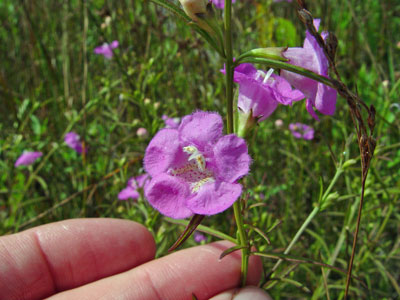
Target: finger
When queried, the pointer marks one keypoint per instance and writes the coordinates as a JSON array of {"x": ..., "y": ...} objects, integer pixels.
[
  {"x": 42, "y": 261},
  {"x": 195, "y": 270},
  {"x": 246, "y": 293}
]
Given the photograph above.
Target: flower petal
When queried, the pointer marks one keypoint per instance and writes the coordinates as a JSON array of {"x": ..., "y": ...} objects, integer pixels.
[
  {"x": 200, "y": 129},
  {"x": 161, "y": 152},
  {"x": 231, "y": 158},
  {"x": 325, "y": 99},
  {"x": 168, "y": 195},
  {"x": 141, "y": 180},
  {"x": 283, "y": 92},
  {"x": 73, "y": 140},
  {"x": 310, "y": 109},
  {"x": 243, "y": 72},
  {"x": 257, "y": 97},
  {"x": 27, "y": 158},
  {"x": 127, "y": 193},
  {"x": 214, "y": 197}
]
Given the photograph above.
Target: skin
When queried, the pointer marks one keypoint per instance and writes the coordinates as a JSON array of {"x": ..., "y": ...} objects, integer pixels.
[{"x": 112, "y": 259}]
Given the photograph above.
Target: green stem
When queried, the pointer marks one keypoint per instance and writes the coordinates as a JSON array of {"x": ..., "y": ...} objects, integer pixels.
[
  {"x": 242, "y": 242},
  {"x": 229, "y": 65},
  {"x": 229, "y": 114},
  {"x": 298, "y": 234}
]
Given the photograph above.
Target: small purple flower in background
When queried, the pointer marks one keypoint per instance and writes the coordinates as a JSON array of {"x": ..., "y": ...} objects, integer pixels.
[
  {"x": 106, "y": 49},
  {"x": 301, "y": 131},
  {"x": 199, "y": 237},
  {"x": 27, "y": 158},
  {"x": 262, "y": 92},
  {"x": 73, "y": 140},
  {"x": 283, "y": 0},
  {"x": 131, "y": 190},
  {"x": 311, "y": 56},
  {"x": 195, "y": 168},
  {"x": 220, "y": 3},
  {"x": 171, "y": 122},
  {"x": 142, "y": 132}
]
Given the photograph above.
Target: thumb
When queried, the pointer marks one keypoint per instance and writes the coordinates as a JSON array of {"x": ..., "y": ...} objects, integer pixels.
[{"x": 246, "y": 293}]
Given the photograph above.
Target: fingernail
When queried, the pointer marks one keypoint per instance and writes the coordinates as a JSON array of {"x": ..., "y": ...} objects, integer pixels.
[{"x": 251, "y": 293}]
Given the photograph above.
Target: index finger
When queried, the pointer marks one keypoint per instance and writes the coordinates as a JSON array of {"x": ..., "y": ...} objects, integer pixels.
[{"x": 42, "y": 261}]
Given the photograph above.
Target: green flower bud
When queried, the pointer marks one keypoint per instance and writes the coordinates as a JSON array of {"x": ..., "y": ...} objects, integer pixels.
[
  {"x": 349, "y": 163},
  {"x": 193, "y": 8},
  {"x": 329, "y": 200},
  {"x": 270, "y": 53}
]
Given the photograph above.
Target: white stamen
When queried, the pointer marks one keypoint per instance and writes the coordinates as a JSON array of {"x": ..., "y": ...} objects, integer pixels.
[
  {"x": 196, "y": 156},
  {"x": 268, "y": 75},
  {"x": 259, "y": 74}
]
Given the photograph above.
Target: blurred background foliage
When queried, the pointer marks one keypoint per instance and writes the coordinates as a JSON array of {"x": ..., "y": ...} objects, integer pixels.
[{"x": 51, "y": 82}]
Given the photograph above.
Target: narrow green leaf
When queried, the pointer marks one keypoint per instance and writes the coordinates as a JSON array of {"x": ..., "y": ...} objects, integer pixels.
[
  {"x": 173, "y": 8},
  {"x": 261, "y": 233},
  {"x": 194, "y": 222},
  {"x": 302, "y": 260},
  {"x": 274, "y": 225},
  {"x": 230, "y": 250},
  {"x": 204, "y": 229},
  {"x": 321, "y": 189}
]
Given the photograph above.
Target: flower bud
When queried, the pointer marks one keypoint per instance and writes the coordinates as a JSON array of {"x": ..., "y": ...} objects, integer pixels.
[
  {"x": 270, "y": 53},
  {"x": 349, "y": 163},
  {"x": 194, "y": 7},
  {"x": 142, "y": 132},
  {"x": 332, "y": 197}
]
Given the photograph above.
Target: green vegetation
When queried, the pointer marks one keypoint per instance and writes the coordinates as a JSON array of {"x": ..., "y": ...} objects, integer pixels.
[{"x": 51, "y": 83}]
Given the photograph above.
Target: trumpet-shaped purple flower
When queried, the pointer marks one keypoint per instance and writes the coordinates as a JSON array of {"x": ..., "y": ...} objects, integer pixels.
[
  {"x": 195, "y": 168},
  {"x": 301, "y": 131},
  {"x": 27, "y": 158},
  {"x": 220, "y": 3},
  {"x": 73, "y": 140},
  {"x": 171, "y": 122},
  {"x": 106, "y": 49},
  {"x": 134, "y": 184},
  {"x": 311, "y": 56},
  {"x": 262, "y": 92}
]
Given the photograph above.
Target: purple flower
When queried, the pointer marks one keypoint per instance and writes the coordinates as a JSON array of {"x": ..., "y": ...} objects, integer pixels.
[
  {"x": 262, "y": 92},
  {"x": 27, "y": 158},
  {"x": 220, "y": 3},
  {"x": 199, "y": 237},
  {"x": 171, "y": 122},
  {"x": 73, "y": 140},
  {"x": 283, "y": 0},
  {"x": 311, "y": 56},
  {"x": 302, "y": 131},
  {"x": 106, "y": 49},
  {"x": 195, "y": 168},
  {"x": 134, "y": 184}
]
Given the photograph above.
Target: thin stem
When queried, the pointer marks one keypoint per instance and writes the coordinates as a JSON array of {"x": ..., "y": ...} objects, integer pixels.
[
  {"x": 298, "y": 234},
  {"x": 84, "y": 87},
  {"x": 242, "y": 241},
  {"x": 229, "y": 119},
  {"x": 353, "y": 250},
  {"x": 229, "y": 64}
]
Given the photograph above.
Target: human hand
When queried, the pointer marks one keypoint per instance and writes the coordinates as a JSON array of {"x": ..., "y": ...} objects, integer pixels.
[{"x": 112, "y": 259}]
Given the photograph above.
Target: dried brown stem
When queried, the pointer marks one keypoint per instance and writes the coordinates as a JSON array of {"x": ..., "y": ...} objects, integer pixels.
[{"x": 365, "y": 139}]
